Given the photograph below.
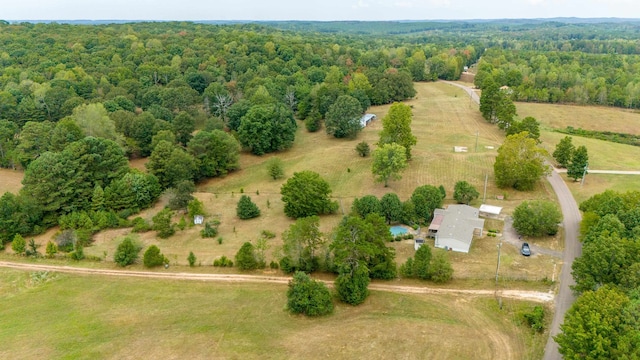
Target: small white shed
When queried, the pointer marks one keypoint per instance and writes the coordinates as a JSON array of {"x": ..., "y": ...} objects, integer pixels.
[{"x": 490, "y": 211}]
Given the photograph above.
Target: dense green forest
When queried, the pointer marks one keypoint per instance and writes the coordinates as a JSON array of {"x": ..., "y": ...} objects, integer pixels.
[{"x": 77, "y": 100}]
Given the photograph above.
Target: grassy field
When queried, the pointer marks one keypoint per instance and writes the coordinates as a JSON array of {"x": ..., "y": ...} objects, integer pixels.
[
  {"x": 603, "y": 155},
  {"x": 443, "y": 118},
  {"x": 598, "y": 118},
  {"x": 82, "y": 317}
]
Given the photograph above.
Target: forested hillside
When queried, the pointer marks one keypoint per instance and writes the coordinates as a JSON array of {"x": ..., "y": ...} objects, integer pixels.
[{"x": 77, "y": 100}]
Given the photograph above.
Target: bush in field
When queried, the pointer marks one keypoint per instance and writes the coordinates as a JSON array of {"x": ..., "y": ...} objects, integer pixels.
[
  {"x": 275, "y": 169},
  {"x": 535, "y": 318},
  {"x": 210, "y": 229},
  {"x": 18, "y": 245},
  {"x": 51, "y": 249},
  {"x": 191, "y": 259},
  {"x": 223, "y": 262},
  {"x": 307, "y": 296},
  {"x": 363, "y": 149},
  {"x": 153, "y": 257},
  {"x": 162, "y": 223},
  {"x": 127, "y": 252}
]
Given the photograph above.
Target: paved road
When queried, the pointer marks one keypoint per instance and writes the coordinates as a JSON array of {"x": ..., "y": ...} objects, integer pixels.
[
  {"x": 572, "y": 249},
  {"x": 470, "y": 91},
  {"x": 614, "y": 172}
]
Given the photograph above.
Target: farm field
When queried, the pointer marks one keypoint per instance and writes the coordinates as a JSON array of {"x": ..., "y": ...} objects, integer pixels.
[
  {"x": 104, "y": 317},
  {"x": 603, "y": 155}
]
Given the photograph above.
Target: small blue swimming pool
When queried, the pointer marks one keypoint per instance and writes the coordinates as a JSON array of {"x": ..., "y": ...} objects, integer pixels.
[{"x": 397, "y": 230}]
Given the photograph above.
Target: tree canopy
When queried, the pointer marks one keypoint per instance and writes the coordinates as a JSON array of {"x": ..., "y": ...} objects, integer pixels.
[
  {"x": 396, "y": 128},
  {"x": 307, "y": 194},
  {"x": 520, "y": 163}
]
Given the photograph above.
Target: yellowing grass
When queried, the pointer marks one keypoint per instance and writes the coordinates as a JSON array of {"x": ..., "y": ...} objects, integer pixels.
[{"x": 102, "y": 317}]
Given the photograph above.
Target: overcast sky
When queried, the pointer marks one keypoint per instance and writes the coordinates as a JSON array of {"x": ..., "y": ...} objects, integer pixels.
[{"x": 312, "y": 9}]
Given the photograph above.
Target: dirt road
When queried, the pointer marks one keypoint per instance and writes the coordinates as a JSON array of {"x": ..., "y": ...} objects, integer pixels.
[{"x": 511, "y": 294}]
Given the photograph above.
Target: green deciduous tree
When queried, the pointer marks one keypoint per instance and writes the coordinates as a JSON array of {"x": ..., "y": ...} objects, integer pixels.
[
  {"x": 191, "y": 259},
  {"x": 162, "y": 223},
  {"x": 307, "y": 194},
  {"x": 579, "y": 161},
  {"x": 422, "y": 263},
  {"x": 307, "y": 296},
  {"x": 425, "y": 199},
  {"x": 595, "y": 327},
  {"x": 391, "y": 207},
  {"x": 183, "y": 127},
  {"x": 343, "y": 118},
  {"x": 181, "y": 195},
  {"x": 51, "y": 249},
  {"x": 520, "y": 163},
  {"x": 388, "y": 161},
  {"x": 247, "y": 209},
  {"x": 564, "y": 151},
  {"x": 216, "y": 153},
  {"x": 464, "y": 193},
  {"x": 607, "y": 260},
  {"x": 352, "y": 286},
  {"x": 127, "y": 252},
  {"x": 366, "y": 205},
  {"x": 170, "y": 164},
  {"x": 302, "y": 242},
  {"x": 94, "y": 120},
  {"x": 267, "y": 128},
  {"x": 537, "y": 218},
  {"x": 396, "y": 128}
]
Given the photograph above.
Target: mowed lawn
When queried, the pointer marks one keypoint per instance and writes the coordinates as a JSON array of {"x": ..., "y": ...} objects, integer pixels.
[{"x": 92, "y": 317}]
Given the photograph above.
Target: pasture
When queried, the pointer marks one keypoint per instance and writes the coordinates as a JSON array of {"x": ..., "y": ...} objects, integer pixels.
[
  {"x": 603, "y": 155},
  {"x": 94, "y": 317},
  {"x": 10, "y": 180},
  {"x": 443, "y": 118}
]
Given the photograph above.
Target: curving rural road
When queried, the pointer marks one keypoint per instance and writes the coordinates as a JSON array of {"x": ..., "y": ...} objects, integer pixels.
[{"x": 572, "y": 247}]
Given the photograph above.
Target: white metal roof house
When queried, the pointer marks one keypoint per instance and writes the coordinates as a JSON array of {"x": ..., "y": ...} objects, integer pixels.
[
  {"x": 366, "y": 119},
  {"x": 453, "y": 228}
]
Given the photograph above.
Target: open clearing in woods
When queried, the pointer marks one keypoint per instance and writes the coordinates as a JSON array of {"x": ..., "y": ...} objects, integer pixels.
[{"x": 103, "y": 317}]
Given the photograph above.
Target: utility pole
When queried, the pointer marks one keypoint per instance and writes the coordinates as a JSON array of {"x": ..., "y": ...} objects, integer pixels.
[
  {"x": 584, "y": 173},
  {"x": 498, "y": 266},
  {"x": 484, "y": 197}
]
